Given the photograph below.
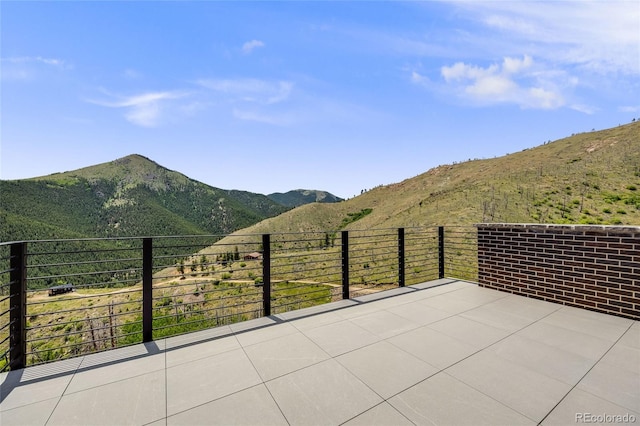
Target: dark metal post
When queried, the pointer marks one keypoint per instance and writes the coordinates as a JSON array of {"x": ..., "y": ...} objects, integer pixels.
[
  {"x": 18, "y": 306},
  {"x": 147, "y": 290},
  {"x": 401, "y": 278},
  {"x": 266, "y": 274},
  {"x": 345, "y": 265},
  {"x": 440, "y": 251}
]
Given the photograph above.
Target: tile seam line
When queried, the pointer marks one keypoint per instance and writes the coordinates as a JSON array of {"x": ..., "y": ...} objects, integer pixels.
[
  {"x": 218, "y": 399},
  {"x": 262, "y": 380},
  {"x": 377, "y": 405},
  {"x": 166, "y": 384},
  {"x": 297, "y": 369},
  {"x": 459, "y": 314},
  {"x": 585, "y": 375},
  {"x": 157, "y": 370},
  {"x": 469, "y": 356},
  {"x": 64, "y": 391},
  {"x": 366, "y": 302},
  {"x": 384, "y": 400}
]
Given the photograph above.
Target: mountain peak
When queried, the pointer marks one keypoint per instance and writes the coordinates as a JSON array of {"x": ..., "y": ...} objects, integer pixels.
[
  {"x": 136, "y": 159},
  {"x": 298, "y": 197},
  {"x": 130, "y": 171}
]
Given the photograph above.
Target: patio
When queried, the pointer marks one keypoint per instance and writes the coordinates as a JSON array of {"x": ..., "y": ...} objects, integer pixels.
[{"x": 443, "y": 352}]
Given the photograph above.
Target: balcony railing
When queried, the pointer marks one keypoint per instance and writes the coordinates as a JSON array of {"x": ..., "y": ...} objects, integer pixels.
[{"x": 66, "y": 298}]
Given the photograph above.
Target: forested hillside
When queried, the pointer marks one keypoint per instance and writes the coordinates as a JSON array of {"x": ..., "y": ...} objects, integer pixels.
[{"x": 132, "y": 196}]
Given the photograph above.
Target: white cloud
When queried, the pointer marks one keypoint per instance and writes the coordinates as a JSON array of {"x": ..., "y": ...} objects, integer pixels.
[
  {"x": 596, "y": 36},
  {"x": 418, "y": 78},
  {"x": 143, "y": 110},
  {"x": 514, "y": 81},
  {"x": 552, "y": 51},
  {"x": 249, "y": 46},
  {"x": 515, "y": 65},
  {"x": 251, "y": 90}
]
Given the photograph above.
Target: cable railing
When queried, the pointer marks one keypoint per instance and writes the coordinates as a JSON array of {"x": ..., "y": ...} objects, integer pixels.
[{"x": 66, "y": 298}]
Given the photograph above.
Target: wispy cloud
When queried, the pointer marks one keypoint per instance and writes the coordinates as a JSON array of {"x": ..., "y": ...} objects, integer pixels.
[
  {"x": 600, "y": 36},
  {"x": 28, "y": 67},
  {"x": 249, "y": 46},
  {"x": 250, "y": 99},
  {"x": 144, "y": 109},
  {"x": 250, "y": 90},
  {"x": 59, "y": 63},
  {"x": 551, "y": 50}
]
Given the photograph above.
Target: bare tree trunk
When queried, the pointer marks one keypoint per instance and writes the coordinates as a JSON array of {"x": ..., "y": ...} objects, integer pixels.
[
  {"x": 93, "y": 334},
  {"x": 111, "y": 330}
]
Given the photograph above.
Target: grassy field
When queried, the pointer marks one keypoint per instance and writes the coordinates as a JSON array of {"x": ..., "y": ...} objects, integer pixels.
[{"x": 90, "y": 320}]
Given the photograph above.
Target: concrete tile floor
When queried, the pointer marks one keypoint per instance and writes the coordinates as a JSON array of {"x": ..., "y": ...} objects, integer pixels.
[{"x": 445, "y": 352}]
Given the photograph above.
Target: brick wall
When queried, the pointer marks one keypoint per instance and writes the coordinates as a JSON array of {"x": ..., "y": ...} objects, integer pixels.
[{"x": 592, "y": 267}]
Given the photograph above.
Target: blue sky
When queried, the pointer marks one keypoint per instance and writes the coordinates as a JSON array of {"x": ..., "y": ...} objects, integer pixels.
[{"x": 339, "y": 96}]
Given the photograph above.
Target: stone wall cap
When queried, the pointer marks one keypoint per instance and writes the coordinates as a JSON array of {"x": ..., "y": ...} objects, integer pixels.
[{"x": 551, "y": 226}]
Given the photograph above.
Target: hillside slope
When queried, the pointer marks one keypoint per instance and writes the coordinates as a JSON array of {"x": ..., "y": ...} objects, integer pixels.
[
  {"x": 590, "y": 178},
  {"x": 131, "y": 196}
]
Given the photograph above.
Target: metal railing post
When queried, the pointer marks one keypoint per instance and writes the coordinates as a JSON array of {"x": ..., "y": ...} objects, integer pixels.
[
  {"x": 18, "y": 306},
  {"x": 147, "y": 290},
  {"x": 345, "y": 264},
  {"x": 401, "y": 277},
  {"x": 266, "y": 274},
  {"x": 440, "y": 251}
]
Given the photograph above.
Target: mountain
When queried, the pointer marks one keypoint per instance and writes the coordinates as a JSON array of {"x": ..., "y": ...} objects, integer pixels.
[
  {"x": 131, "y": 196},
  {"x": 587, "y": 178},
  {"x": 298, "y": 197}
]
